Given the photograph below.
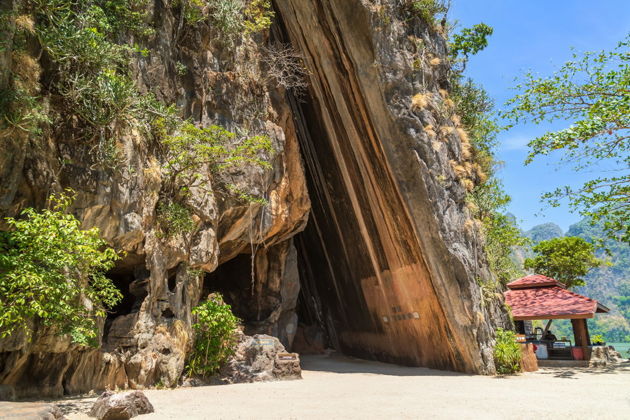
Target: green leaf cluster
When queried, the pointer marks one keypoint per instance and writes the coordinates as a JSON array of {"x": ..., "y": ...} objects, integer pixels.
[
  {"x": 427, "y": 10},
  {"x": 567, "y": 259},
  {"x": 507, "y": 352},
  {"x": 230, "y": 17},
  {"x": 469, "y": 42},
  {"x": 592, "y": 94},
  {"x": 192, "y": 149},
  {"x": 87, "y": 67},
  {"x": 52, "y": 272},
  {"x": 174, "y": 218},
  {"x": 215, "y": 336}
]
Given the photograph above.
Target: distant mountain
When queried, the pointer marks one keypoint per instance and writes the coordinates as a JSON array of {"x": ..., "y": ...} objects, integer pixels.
[{"x": 544, "y": 232}]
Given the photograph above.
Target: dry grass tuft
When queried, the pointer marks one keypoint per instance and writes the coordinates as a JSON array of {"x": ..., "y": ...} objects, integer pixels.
[
  {"x": 443, "y": 93},
  {"x": 459, "y": 170},
  {"x": 479, "y": 172},
  {"x": 435, "y": 61},
  {"x": 27, "y": 69},
  {"x": 471, "y": 206},
  {"x": 466, "y": 151},
  {"x": 436, "y": 145},
  {"x": 26, "y": 23},
  {"x": 419, "y": 101},
  {"x": 463, "y": 135},
  {"x": 468, "y": 184},
  {"x": 456, "y": 119},
  {"x": 469, "y": 167}
]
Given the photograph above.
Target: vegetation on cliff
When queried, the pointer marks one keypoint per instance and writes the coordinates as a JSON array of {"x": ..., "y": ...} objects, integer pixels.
[
  {"x": 488, "y": 199},
  {"x": 52, "y": 273}
]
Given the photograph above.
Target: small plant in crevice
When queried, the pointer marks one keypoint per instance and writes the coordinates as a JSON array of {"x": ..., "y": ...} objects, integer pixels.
[
  {"x": 174, "y": 218},
  {"x": 215, "y": 330},
  {"x": 231, "y": 18},
  {"x": 53, "y": 273},
  {"x": 427, "y": 10},
  {"x": 507, "y": 353}
]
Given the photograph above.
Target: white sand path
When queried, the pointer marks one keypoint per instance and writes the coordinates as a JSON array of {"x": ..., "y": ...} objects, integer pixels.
[{"x": 344, "y": 388}]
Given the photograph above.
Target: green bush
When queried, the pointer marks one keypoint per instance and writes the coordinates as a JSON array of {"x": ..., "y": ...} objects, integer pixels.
[
  {"x": 507, "y": 352},
  {"x": 427, "y": 10},
  {"x": 230, "y": 17},
  {"x": 215, "y": 338},
  {"x": 174, "y": 218},
  {"x": 53, "y": 272}
]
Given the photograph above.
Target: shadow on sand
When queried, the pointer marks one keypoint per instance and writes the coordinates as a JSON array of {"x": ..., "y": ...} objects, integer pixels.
[
  {"x": 571, "y": 372},
  {"x": 337, "y": 363}
]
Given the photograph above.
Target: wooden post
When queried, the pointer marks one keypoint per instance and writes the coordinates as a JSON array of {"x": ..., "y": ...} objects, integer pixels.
[{"x": 580, "y": 332}]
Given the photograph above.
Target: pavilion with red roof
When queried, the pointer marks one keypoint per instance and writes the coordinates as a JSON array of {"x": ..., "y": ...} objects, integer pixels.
[{"x": 540, "y": 297}]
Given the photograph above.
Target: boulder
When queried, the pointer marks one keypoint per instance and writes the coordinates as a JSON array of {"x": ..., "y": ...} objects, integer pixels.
[
  {"x": 261, "y": 358},
  {"x": 123, "y": 406},
  {"x": 602, "y": 356}
]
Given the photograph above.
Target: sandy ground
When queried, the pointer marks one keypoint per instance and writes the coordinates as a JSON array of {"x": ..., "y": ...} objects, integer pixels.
[{"x": 344, "y": 388}]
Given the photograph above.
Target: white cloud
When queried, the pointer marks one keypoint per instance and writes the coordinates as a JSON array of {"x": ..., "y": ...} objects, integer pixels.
[{"x": 516, "y": 143}]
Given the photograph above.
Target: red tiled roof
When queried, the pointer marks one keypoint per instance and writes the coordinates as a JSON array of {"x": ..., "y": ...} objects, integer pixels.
[
  {"x": 550, "y": 303},
  {"x": 534, "y": 280}
]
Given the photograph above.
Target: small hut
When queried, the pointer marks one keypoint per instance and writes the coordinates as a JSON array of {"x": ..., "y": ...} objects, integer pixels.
[{"x": 543, "y": 298}]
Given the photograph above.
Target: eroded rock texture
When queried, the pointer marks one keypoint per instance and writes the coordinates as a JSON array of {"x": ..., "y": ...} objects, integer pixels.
[
  {"x": 388, "y": 263},
  {"x": 146, "y": 338},
  {"x": 390, "y": 256}
]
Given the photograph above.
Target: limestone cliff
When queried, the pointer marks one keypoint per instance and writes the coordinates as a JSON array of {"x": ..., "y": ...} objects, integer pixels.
[{"x": 389, "y": 261}]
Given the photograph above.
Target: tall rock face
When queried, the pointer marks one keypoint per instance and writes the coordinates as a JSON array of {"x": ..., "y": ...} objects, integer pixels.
[
  {"x": 389, "y": 259},
  {"x": 147, "y": 336},
  {"x": 390, "y": 256}
]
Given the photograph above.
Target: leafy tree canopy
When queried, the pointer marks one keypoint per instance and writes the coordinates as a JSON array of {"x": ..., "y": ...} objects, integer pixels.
[
  {"x": 470, "y": 41},
  {"x": 567, "y": 259},
  {"x": 593, "y": 92},
  {"x": 53, "y": 272}
]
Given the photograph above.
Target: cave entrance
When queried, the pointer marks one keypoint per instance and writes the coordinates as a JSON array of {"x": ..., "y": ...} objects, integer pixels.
[
  {"x": 131, "y": 277},
  {"x": 233, "y": 279}
]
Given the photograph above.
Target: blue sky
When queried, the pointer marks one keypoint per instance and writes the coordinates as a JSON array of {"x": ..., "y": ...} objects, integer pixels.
[{"x": 536, "y": 35}]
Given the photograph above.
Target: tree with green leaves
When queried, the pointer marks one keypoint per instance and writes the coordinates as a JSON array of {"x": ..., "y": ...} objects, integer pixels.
[
  {"x": 592, "y": 92},
  {"x": 469, "y": 42},
  {"x": 567, "y": 259},
  {"x": 52, "y": 272}
]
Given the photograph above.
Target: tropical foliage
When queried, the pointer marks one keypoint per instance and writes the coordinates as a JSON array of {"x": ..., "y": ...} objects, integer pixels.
[
  {"x": 592, "y": 93},
  {"x": 52, "y": 273},
  {"x": 215, "y": 337},
  {"x": 507, "y": 353},
  {"x": 567, "y": 259}
]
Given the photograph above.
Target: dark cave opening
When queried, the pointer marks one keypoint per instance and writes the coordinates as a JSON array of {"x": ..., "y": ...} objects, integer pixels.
[
  {"x": 132, "y": 280},
  {"x": 233, "y": 279}
]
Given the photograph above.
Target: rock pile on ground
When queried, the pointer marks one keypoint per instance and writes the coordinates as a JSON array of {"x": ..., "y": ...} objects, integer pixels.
[
  {"x": 260, "y": 358},
  {"x": 123, "y": 406},
  {"x": 602, "y": 356}
]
